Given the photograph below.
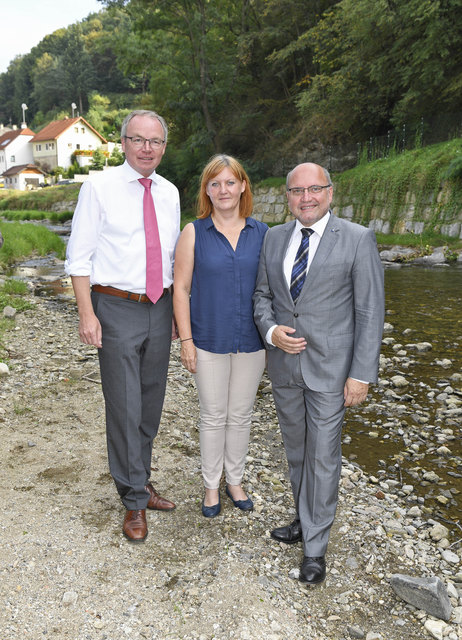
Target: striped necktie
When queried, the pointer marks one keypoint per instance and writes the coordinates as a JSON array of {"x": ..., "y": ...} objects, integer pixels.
[{"x": 301, "y": 262}]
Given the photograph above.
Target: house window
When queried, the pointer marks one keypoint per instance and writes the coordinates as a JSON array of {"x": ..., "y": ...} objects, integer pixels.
[
  {"x": 77, "y": 146},
  {"x": 76, "y": 129},
  {"x": 82, "y": 129},
  {"x": 70, "y": 145},
  {"x": 38, "y": 147},
  {"x": 52, "y": 145},
  {"x": 13, "y": 159}
]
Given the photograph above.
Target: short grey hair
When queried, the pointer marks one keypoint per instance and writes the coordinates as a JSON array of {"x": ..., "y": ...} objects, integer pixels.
[
  {"x": 143, "y": 112},
  {"x": 326, "y": 174}
]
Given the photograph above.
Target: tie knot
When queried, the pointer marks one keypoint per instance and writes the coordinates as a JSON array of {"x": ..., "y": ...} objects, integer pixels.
[
  {"x": 307, "y": 232},
  {"x": 146, "y": 182}
]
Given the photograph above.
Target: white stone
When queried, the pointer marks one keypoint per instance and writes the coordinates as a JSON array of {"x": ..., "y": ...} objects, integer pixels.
[
  {"x": 70, "y": 598},
  {"x": 438, "y": 532},
  {"x": 4, "y": 371},
  {"x": 450, "y": 556},
  {"x": 399, "y": 381},
  {"x": 435, "y": 628}
]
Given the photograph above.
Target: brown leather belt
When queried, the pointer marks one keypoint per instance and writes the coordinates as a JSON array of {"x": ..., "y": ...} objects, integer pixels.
[{"x": 120, "y": 293}]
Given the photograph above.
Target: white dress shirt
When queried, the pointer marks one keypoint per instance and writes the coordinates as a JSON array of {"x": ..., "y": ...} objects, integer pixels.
[{"x": 108, "y": 241}]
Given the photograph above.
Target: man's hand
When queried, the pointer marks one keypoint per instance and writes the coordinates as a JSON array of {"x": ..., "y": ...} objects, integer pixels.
[
  {"x": 90, "y": 331},
  {"x": 282, "y": 340},
  {"x": 354, "y": 392}
]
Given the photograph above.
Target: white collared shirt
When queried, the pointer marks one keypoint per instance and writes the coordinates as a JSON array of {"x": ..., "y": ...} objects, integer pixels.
[
  {"x": 318, "y": 227},
  {"x": 108, "y": 241}
]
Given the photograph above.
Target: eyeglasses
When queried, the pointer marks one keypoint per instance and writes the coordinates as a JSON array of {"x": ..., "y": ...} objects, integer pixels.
[
  {"x": 314, "y": 189},
  {"x": 138, "y": 142}
]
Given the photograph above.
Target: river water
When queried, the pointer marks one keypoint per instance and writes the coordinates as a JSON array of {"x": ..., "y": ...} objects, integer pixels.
[{"x": 398, "y": 433}]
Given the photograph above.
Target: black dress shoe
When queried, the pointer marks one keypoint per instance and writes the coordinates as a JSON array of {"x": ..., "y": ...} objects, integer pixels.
[
  {"x": 289, "y": 534},
  {"x": 313, "y": 570}
]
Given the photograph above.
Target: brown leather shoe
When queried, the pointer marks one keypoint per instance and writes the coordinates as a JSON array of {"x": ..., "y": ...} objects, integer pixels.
[
  {"x": 156, "y": 501},
  {"x": 135, "y": 526}
]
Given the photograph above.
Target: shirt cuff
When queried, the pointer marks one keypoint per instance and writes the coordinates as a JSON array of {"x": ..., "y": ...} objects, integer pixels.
[{"x": 269, "y": 335}]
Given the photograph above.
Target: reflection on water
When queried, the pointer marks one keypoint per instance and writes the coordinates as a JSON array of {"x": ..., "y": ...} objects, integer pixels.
[{"x": 399, "y": 438}]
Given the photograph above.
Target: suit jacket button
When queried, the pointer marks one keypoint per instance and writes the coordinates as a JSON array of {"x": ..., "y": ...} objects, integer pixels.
[{"x": 295, "y": 315}]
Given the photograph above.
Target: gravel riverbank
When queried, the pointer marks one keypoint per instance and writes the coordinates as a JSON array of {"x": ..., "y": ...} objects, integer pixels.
[{"x": 67, "y": 572}]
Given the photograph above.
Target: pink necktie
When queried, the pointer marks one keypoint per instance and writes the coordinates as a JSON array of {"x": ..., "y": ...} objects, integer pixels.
[{"x": 154, "y": 281}]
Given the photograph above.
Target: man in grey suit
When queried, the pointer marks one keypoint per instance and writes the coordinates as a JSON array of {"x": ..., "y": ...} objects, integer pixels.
[{"x": 319, "y": 305}]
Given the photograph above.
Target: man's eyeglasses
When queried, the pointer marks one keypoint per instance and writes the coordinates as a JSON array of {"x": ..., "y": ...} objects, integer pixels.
[
  {"x": 315, "y": 188},
  {"x": 138, "y": 142}
]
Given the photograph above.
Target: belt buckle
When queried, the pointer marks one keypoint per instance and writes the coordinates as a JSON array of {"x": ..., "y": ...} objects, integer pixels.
[{"x": 140, "y": 295}]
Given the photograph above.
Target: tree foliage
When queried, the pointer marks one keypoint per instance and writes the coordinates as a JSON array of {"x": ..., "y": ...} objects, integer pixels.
[{"x": 254, "y": 78}]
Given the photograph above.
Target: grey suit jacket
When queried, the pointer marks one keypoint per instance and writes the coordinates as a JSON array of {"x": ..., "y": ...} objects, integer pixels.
[{"x": 340, "y": 311}]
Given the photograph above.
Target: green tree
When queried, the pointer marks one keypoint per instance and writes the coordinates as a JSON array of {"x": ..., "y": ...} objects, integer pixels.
[
  {"x": 78, "y": 74},
  {"x": 47, "y": 79},
  {"x": 98, "y": 160}
]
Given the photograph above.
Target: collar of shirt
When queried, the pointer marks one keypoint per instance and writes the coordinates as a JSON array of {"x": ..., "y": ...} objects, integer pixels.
[
  {"x": 318, "y": 227},
  {"x": 132, "y": 174}
]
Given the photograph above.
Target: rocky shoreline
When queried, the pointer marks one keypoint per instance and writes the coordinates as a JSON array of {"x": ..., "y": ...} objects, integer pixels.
[{"x": 68, "y": 573}]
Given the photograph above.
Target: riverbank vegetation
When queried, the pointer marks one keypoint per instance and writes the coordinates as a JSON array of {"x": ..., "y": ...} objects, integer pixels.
[
  {"x": 12, "y": 294},
  {"x": 25, "y": 240},
  {"x": 420, "y": 179},
  {"x": 39, "y": 199}
]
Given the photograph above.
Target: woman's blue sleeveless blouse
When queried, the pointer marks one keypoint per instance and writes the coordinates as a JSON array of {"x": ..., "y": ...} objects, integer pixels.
[{"x": 222, "y": 286}]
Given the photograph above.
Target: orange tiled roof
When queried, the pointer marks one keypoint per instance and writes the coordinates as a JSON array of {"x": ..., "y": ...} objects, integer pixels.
[
  {"x": 19, "y": 168},
  {"x": 9, "y": 136},
  {"x": 57, "y": 127}
]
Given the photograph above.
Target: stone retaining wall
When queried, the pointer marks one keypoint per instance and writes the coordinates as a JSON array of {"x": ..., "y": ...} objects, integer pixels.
[{"x": 270, "y": 205}]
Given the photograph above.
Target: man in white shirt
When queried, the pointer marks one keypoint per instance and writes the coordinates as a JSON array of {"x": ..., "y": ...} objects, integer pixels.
[
  {"x": 108, "y": 257},
  {"x": 319, "y": 304}
]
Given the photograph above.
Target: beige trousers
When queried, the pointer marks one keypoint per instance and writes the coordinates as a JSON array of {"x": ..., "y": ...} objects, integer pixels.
[{"x": 227, "y": 385}]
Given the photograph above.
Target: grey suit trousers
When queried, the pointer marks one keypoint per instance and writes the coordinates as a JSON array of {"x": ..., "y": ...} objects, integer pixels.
[
  {"x": 311, "y": 426},
  {"x": 133, "y": 363}
]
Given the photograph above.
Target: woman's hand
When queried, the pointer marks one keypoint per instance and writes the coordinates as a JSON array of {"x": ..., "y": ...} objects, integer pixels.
[{"x": 189, "y": 355}]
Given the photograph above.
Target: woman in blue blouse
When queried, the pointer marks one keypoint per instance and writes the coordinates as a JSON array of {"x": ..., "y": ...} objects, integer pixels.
[{"x": 216, "y": 263}]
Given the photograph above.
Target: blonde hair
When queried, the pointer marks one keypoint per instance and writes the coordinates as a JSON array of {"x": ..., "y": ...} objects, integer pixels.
[{"x": 212, "y": 169}]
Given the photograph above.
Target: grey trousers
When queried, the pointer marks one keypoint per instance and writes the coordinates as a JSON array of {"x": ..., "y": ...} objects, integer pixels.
[
  {"x": 133, "y": 363},
  {"x": 311, "y": 426}
]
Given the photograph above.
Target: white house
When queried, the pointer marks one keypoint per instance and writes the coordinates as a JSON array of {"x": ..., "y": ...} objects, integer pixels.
[
  {"x": 15, "y": 148},
  {"x": 54, "y": 145},
  {"x": 23, "y": 176}
]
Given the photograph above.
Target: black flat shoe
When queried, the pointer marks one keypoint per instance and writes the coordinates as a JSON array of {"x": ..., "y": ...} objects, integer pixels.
[
  {"x": 243, "y": 505},
  {"x": 290, "y": 534},
  {"x": 313, "y": 570},
  {"x": 211, "y": 512}
]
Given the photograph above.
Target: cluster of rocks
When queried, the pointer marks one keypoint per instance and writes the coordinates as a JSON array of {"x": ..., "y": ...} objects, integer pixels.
[
  {"x": 66, "y": 570},
  {"x": 435, "y": 257}
]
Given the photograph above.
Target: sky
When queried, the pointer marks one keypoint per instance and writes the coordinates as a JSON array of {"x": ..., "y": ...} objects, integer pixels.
[{"x": 24, "y": 23}]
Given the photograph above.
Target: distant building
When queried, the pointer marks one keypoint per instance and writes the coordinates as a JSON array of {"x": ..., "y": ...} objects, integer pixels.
[
  {"x": 15, "y": 148},
  {"x": 54, "y": 145},
  {"x": 23, "y": 176}
]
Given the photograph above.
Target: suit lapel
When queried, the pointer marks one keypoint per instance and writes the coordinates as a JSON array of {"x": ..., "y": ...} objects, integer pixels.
[
  {"x": 288, "y": 231},
  {"x": 325, "y": 247}
]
